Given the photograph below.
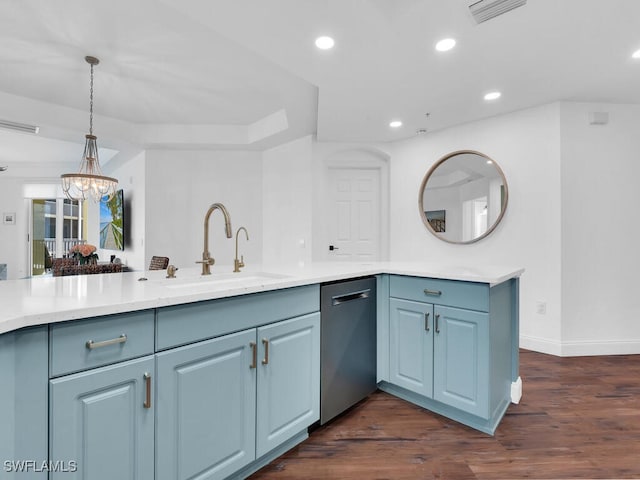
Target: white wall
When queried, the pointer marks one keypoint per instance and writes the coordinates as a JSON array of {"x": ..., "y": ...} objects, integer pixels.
[
  {"x": 180, "y": 187},
  {"x": 13, "y": 238},
  {"x": 526, "y": 145},
  {"x": 600, "y": 230},
  {"x": 287, "y": 202}
]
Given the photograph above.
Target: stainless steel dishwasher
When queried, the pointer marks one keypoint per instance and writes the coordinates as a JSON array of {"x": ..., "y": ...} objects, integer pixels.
[{"x": 348, "y": 344}]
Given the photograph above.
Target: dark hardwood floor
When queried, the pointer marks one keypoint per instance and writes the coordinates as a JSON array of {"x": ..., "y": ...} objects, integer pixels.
[{"x": 579, "y": 418}]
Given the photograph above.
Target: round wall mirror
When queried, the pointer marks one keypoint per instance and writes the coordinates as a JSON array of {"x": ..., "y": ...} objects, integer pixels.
[{"x": 463, "y": 197}]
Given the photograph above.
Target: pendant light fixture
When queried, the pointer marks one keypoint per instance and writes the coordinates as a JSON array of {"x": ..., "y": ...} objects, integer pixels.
[{"x": 89, "y": 182}]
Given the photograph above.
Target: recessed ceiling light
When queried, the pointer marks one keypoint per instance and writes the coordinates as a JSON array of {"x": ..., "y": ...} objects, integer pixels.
[
  {"x": 636, "y": 54},
  {"x": 395, "y": 124},
  {"x": 325, "y": 43},
  {"x": 445, "y": 44},
  {"x": 492, "y": 96},
  {"x": 489, "y": 162}
]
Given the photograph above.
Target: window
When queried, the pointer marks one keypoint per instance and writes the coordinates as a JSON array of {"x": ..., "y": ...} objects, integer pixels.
[
  {"x": 58, "y": 225},
  {"x": 71, "y": 226}
]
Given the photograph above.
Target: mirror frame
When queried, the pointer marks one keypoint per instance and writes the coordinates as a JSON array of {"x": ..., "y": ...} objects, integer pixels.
[{"x": 423, "y": 185}]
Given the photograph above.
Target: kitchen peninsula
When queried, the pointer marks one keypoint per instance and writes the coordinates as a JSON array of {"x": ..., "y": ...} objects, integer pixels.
[{"x": 147, "y": 369}]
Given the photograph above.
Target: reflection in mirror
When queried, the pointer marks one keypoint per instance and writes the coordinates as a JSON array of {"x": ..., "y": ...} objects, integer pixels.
[{"x": 463, "y": 197}]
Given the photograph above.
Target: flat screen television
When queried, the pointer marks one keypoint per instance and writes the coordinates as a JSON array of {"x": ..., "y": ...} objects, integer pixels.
[{"x": 112, "y": 222}]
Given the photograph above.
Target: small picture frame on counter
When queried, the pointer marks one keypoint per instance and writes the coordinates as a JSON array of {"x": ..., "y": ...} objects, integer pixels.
[{"x": 9, "y": 218}]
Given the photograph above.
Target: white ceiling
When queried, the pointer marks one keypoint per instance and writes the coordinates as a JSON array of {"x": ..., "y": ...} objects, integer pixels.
[
  {"x": 246, "y": 74},
  {"x": 27, "y": 148}
]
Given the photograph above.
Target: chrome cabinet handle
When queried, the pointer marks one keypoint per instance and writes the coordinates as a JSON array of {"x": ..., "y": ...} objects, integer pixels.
[
  {"x": 147, "y": 380},
  {"x": 114, "y": 341},
  {"x": 265, "y": 360},
  {"x": 437, "y": 323},
  {"x": 426, "y": 322},
  {"x": 435, "y": 293},
  {"x": 254, "y": 355}
]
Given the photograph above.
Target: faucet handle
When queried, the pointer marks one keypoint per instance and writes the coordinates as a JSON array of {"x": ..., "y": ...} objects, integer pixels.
[
  {"x": 206, "y": 265},
  {"x": 207, "y": 261},
  {"x": 171, "y": 271},
  {"x": 238, "y": 264}
]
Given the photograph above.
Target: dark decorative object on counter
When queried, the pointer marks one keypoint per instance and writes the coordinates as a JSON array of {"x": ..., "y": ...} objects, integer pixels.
[
  {"x": 63, "y": 267},
  {"x": 158, "y": 263}
]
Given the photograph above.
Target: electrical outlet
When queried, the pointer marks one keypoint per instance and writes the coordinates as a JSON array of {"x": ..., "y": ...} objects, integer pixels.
[{"x": 541, "y": 308}]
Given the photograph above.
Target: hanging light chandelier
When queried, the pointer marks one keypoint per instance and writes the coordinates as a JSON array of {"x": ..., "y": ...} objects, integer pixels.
[{"x": 89, "y": 182}]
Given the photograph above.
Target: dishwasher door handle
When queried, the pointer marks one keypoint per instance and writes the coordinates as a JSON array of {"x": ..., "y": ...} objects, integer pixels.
[{"x": 348, "y": 297}]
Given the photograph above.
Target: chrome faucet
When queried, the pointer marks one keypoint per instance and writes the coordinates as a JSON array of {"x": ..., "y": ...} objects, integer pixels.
[
  {"x": 207, "y": 260},
  {"x": 238, "y": 264}
]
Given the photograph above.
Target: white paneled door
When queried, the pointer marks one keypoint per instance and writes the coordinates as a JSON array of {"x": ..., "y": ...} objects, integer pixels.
[{"x": 354, "y": 214}]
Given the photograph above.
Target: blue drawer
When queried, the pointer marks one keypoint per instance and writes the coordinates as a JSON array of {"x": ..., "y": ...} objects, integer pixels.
[
  {"x": 452, "y": 293},
  {"x": 183, "y": 324},
  {"x": 83, "y": 344}
]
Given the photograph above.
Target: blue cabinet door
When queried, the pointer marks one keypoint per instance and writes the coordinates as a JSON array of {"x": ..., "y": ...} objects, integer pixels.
[
  {"x": 206, "y": 408},
  {"x": 103, "y": 420},
  {"x": 411, "y": 345},
  {"x": 461, "y": 359},
  {"x": 24, "y": 383},
  {"x": 288, "y": 380}
]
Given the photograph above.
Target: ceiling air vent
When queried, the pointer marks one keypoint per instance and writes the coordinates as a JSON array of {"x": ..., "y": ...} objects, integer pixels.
[
  {"x": 20, "y": 127},
  {"x": 483, "y": 10}
]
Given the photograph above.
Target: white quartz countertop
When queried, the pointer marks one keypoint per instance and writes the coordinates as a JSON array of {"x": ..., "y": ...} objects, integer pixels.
[{"x": 44, "y": 300}]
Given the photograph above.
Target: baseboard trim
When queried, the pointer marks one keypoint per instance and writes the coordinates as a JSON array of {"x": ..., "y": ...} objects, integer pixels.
[
  {"x": 588, "y": 348},
  {"x": 580, "y": 348},
  {"x": 541, "y": 345}
]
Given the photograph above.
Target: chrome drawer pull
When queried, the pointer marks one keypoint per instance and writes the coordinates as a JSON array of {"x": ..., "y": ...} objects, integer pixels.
[
  {"x": 147, "y": 380},
  {"x": 114, "y": 341},
  {"x": 435, "y": 293}
]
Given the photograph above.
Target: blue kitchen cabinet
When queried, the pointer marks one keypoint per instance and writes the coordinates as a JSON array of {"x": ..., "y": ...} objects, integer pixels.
[
  {"x": 224, "y": 403},
  {"x": 102, "y": 420},
  {"x": 461, "y": 359},
  {"x": 24, "y": 404},
  {"x": 440, "y": 353},
  {"x": 451, "y": 347},
  {"x": 411, "y": 345},
  {"x": 217, "y": 389},
  {"x": 206, "y": 408},
  {"x": 288, "y": 380}
]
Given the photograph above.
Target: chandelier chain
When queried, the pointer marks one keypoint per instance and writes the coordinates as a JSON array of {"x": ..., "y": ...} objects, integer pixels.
[{"x": 91, "y": 103}]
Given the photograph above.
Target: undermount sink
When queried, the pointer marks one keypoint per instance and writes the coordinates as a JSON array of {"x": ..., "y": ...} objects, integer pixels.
[{"x": 225, "y": 280}]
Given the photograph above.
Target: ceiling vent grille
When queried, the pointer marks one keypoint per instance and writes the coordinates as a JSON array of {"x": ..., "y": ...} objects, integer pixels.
[
  {"x": 20, "y": 127},
  {"x": 483, "y": 10}
]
